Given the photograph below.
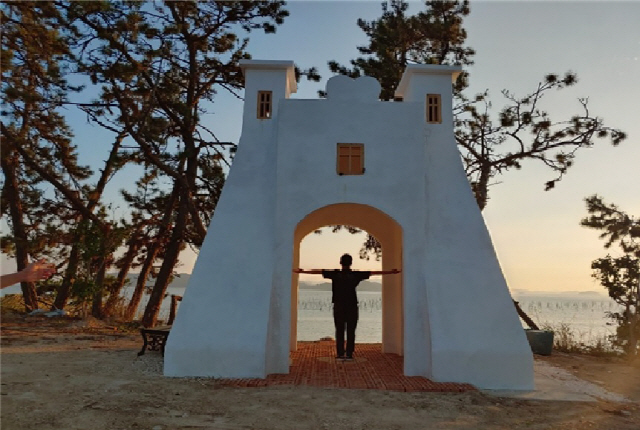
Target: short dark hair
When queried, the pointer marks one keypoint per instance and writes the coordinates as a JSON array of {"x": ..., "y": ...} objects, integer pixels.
[{"x": 346, "y": 260}]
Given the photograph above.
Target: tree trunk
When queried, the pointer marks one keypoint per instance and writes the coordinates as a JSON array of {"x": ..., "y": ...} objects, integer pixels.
[
  {"x": 152, "y": 253},
  {"x": 29, "y": 294},
  {"x": 64, "y": 291},
  {"x": 96, "y": 308},
  {"x": 634, "y": 322},
  {"x": 481, "y": 188},
  {"x": 174, "y": 307},
  {"x": 136, "y": 298},
  {"x": 170, "y": 259},
  {"x": 9, "y": 162},
  {"x": 525, "y": 317},
  {"x": 127, "y": 261},
  {"x": 634, "y": 327}
]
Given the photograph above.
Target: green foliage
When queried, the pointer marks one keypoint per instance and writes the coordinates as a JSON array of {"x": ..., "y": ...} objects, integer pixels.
[
  {"x": 523, "y": 131},
  {"x": 565, "y": 339},
  {"x": 618, "y": 227},
  {"x": 34, "y": 86},
  {"x": 619, "y": 275},
  {"x": 37, "y": 57},
  {"x": 490, "y": 143},
  {"x": 36, "y": 141},
  {"x": 489, "y": 147},
  {"x": 84, "y": 289},
  {"x": 158, "y": 67},
  {"x": 11, "y": 304},
  {"x": 433, "y": 36}
]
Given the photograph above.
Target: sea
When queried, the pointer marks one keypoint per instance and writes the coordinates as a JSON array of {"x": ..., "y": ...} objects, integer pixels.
[{"x": 582, "y": 314}]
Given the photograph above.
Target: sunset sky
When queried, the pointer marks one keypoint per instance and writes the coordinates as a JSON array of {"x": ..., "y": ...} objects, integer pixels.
[{"x": 537, "y": 235}]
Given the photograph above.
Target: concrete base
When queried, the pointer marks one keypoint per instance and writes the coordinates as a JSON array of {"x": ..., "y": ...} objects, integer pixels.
[{"x": 556, "y": 384}]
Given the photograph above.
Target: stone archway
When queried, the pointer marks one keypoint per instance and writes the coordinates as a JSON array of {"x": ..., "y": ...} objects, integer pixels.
[{"x": 389, "y": 234}]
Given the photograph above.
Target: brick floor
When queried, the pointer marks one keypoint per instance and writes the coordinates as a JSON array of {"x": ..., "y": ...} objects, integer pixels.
[{"x": 314, "y": 364}]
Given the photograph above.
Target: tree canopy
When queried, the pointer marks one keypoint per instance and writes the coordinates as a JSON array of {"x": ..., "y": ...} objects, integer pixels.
[
  {"x": 491, "y": 143},
  {"x": 156, "y": 68},
  {"x": 432, "y": 36},
  {"x": 620, "y": 275}
]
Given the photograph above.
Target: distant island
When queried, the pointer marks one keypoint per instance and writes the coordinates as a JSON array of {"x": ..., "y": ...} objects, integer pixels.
[
  {"x": 181, "y": 281},
  {"x": 326, "y": 286},
  {"x": 584, "y": 294}
]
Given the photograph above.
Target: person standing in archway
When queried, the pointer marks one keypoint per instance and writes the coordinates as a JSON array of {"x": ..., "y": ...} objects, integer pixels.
[{"x": 345, "y": 300}]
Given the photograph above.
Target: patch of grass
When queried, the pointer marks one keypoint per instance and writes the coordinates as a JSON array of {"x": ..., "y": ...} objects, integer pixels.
[
  {"x": 129, "y": 327},
  {"x": 12, "y": 304},
  {"x": 566, "y": 339}
]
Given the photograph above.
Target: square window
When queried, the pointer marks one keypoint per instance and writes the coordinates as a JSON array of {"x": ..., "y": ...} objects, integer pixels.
[
  {"x": 434, "y": 109},
  {"x": 350, "y": 159},
  {"x": 264, "y": 104}
]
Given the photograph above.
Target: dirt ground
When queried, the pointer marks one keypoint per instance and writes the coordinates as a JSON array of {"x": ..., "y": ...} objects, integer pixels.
[{"x": 70, "y": 375}]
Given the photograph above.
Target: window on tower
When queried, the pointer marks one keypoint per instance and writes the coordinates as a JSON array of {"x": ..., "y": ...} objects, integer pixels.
[
  {"x": 350, "y": 159},
  {"x": 434, "y": 109},
  {"x": 265, "y": 104}
]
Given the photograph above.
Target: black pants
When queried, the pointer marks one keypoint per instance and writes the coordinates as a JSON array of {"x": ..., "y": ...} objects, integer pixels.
[{"x": 345, "y": 318}]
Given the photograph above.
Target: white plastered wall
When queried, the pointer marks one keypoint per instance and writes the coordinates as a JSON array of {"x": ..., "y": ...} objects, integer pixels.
[
  {"x": 221, "y": 329},
  {"x": 458, "y": 323}
]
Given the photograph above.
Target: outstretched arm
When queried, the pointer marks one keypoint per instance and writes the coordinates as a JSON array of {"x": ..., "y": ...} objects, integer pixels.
[
  {"x": 311, "y": 272},
  {"x": 385, "y": 272},
  {"x": 33, "y": 272}
]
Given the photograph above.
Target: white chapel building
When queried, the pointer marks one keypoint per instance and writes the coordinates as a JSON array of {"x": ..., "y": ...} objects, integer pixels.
[{"x": 390, "y": 168}]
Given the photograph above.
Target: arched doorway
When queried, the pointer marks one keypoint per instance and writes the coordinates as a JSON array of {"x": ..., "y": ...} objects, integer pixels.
[{"x": 389, "y": 234}]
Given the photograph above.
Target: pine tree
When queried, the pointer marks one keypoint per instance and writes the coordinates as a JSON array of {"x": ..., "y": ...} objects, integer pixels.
[
  {"x": 153, "y": 208},
  {"x": 619, "y": 275},
  {"x": 433, "y": 36},
  {"x": 489, "y": 144},
  {"x": 159, "y": 66},
  {"x": 36, "y": 141}
]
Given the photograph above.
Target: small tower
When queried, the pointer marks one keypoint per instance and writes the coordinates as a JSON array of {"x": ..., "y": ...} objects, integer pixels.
[
  {"x": 430, "y": 84},
  {"x": 266, "y": 83},
  {"x": 392, "y": 169}
]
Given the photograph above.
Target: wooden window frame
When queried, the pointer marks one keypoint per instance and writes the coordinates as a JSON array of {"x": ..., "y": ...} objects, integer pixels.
[
  {"x": 351, "y": 169},
  {"x": 434, "y": 109},
  {"x": 265, "y": 105}
]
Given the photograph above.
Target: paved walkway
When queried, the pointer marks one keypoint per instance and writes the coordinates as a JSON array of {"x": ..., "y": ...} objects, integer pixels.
[
  {"x": 554, "y": 383},
  {"x": 314, "y": 364}
]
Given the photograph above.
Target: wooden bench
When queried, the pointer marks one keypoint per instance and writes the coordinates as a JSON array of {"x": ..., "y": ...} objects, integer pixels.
[{"x": 154, "y": 338}]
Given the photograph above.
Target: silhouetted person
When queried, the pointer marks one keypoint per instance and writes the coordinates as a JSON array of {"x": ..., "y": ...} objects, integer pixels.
[{"x": 345, "y": 300}]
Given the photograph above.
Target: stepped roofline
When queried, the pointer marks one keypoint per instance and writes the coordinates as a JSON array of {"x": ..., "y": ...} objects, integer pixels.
[
  {"x": 287, "y": 65},
  {"x": 425, "y": 69}
]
